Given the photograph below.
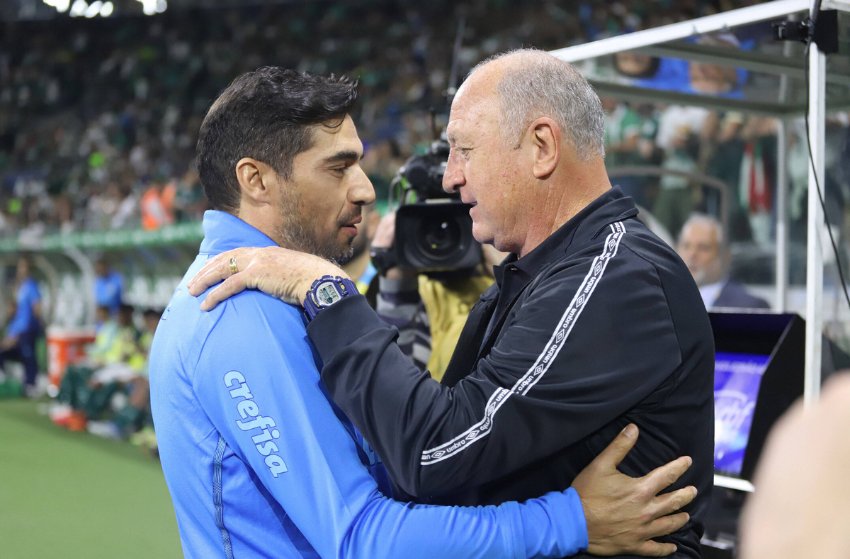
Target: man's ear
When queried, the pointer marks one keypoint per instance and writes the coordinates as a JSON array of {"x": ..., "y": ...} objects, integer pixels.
[
  {"x": 254, "y": 179},
  {"x": 545, "y": 137}
]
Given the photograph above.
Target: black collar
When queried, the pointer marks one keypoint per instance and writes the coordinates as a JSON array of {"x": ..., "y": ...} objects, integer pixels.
[{"x": 573, "y": 235}]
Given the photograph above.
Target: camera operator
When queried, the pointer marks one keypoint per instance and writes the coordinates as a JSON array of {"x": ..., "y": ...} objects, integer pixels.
[
  {"x": 429, "y": 309},
  {"x": 431, "y": 269}
]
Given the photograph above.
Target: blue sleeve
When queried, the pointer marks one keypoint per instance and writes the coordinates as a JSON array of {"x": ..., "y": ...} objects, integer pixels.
[
  {"x": 28, "y": 297},
  {"x": 258, "y": 383}
]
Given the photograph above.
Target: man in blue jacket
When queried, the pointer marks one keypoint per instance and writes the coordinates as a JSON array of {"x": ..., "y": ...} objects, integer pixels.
[
  {"x": 25, "y": 327},
  {"x": 593, "y": 322}
]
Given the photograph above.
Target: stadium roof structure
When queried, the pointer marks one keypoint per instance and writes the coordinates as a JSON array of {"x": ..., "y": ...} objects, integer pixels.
[{"x": 786, "y": 79}]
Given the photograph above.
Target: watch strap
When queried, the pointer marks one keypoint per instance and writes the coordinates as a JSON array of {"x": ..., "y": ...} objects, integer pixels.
[{"x": 326, "y": 291}]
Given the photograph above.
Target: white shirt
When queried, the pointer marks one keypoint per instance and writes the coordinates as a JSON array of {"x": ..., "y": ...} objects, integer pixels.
[{"x": 710, "y": 292}]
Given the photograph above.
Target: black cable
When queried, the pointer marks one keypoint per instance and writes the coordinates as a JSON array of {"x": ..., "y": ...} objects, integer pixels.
[{"x": 812, "y": 163}]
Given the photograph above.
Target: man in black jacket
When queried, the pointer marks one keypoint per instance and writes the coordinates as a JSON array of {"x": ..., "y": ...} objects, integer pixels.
[{"x": 593, "y": 322}]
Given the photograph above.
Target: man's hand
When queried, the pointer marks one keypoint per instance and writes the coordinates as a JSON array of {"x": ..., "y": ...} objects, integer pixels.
[
  {"x": 385, "y": 232},
  {"x": 280, "y": 272},
  {"x": 623, "y": 513}
]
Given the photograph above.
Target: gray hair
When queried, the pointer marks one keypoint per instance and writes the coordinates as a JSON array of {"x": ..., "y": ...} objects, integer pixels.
[
  {"x": 711, "y": 221},
  {"x": 539, "y": 84}
]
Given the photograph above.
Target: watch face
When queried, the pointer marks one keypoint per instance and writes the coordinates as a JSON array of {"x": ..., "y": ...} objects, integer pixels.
[{"x": 327, "y": 293}]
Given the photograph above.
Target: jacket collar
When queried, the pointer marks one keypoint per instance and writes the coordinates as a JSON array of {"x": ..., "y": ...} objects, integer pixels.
[
  {"x": 610, "y": 207},
  {"x": 224, "y": 231}
]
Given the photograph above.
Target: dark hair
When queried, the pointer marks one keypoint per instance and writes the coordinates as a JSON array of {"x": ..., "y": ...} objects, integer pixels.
[
  {"x": 152, "y": 313},
  {"x": 648, "y": 70},
  {"x": 265, "y": 114}
]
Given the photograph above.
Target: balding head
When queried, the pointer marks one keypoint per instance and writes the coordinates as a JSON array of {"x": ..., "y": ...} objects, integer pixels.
[
  {"x": 532, "y": 83},
  {"x": 525, "y": 138},
  {"x": 702, "y": 247}
]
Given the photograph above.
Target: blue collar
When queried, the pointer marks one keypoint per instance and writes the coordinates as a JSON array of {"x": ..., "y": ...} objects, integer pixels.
[{"x": 224, "y": 231}]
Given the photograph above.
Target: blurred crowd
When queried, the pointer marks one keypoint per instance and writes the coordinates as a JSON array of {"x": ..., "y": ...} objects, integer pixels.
[{"x": 98, "y": 118}]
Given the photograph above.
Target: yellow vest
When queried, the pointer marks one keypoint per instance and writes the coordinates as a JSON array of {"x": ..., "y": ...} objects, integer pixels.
[{"x": 448, "y": 304}]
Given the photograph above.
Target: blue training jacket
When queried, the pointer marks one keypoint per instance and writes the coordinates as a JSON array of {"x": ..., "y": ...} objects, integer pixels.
[
  {"x": 24, "y": 321},
  {"x": 259, "y": 463}
]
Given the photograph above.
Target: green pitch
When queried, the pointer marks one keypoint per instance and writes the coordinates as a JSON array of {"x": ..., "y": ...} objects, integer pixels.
[{"x": 72, "y": 495}]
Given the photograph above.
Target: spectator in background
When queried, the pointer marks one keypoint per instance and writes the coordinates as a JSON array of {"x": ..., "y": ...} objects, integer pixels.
[
  {"x": 130, "y": 376},
  {"x": 630, "y": 142},
  {"x": 108, "y": 286},
  {"x": 756, "y": 186},
  {"x": 157, "y": 203},
  {"x": 189, "y": 201},
  {"x": 703, "y": 248},
  {"x": 26, "y": 326},
  {"x": 716, "y": 79},
  {"x": 722, "y": 155},
  {"x": 677, "y": 196},
  {"x": 113, "y": 359},
  {"x": 126, "y": 212}
]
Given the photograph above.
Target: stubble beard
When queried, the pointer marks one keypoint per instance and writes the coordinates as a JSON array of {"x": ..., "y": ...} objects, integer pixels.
[{"x": 294, "y": 233}]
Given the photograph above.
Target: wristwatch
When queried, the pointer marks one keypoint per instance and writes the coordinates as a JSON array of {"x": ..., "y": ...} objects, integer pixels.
[{"x": 326, "y": 291}]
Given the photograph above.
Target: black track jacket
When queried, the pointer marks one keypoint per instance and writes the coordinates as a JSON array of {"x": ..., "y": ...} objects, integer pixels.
[{"x": 599, "y": 326}]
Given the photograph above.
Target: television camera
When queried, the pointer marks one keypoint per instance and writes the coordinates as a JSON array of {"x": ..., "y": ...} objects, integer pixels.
[{"x": 433, "y": 230}]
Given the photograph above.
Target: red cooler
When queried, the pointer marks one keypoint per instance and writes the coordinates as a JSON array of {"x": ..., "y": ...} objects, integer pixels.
[{"x": 65, "y": 347}]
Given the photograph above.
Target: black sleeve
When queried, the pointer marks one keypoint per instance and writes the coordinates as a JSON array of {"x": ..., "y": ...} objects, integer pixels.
[{"x": 583, "y": 346}]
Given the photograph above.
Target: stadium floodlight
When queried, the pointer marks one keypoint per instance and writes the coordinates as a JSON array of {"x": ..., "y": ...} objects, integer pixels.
[
  {"x": 152, "y": 7},
  {"x": 94, "y": 9},
  {"x": 107, "y": 9},
  {"x": 60, "y": 5},
  {"x": 78, "y": 8}
]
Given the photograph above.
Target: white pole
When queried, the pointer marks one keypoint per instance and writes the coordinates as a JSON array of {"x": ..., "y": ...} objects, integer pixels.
[
  {"x": 682, "y": 30},
  {"x": 780, "y": 301},
  {"x": 814, "y": 253}
]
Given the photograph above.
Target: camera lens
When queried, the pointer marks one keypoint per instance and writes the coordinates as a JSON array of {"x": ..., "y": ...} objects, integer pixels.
[
  {"x": 440, "y": 238},
  {"x": 435, "y": 237}
]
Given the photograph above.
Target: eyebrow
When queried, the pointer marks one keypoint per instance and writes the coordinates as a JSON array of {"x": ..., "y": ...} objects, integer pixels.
[{"x": 343, "y": 157}]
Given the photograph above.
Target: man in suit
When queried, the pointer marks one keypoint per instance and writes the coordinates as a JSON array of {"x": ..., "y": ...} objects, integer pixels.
[{"x": 701, "y": 245}]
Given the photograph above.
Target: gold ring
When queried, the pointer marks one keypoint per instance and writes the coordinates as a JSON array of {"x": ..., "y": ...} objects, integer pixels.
[{"x": 233, "y": 267}]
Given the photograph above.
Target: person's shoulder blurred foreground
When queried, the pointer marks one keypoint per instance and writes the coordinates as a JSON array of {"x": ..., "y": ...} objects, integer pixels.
[{"x": 802, "y": 484}]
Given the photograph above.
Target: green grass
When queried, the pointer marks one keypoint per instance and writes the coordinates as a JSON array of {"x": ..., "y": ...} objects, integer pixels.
[{"x": 70, "y": 495}]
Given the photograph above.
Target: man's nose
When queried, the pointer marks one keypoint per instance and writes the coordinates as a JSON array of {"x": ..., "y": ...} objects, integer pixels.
[
  {"x": 362, "y": 192},
  {"x": 453, "y": 177}
]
